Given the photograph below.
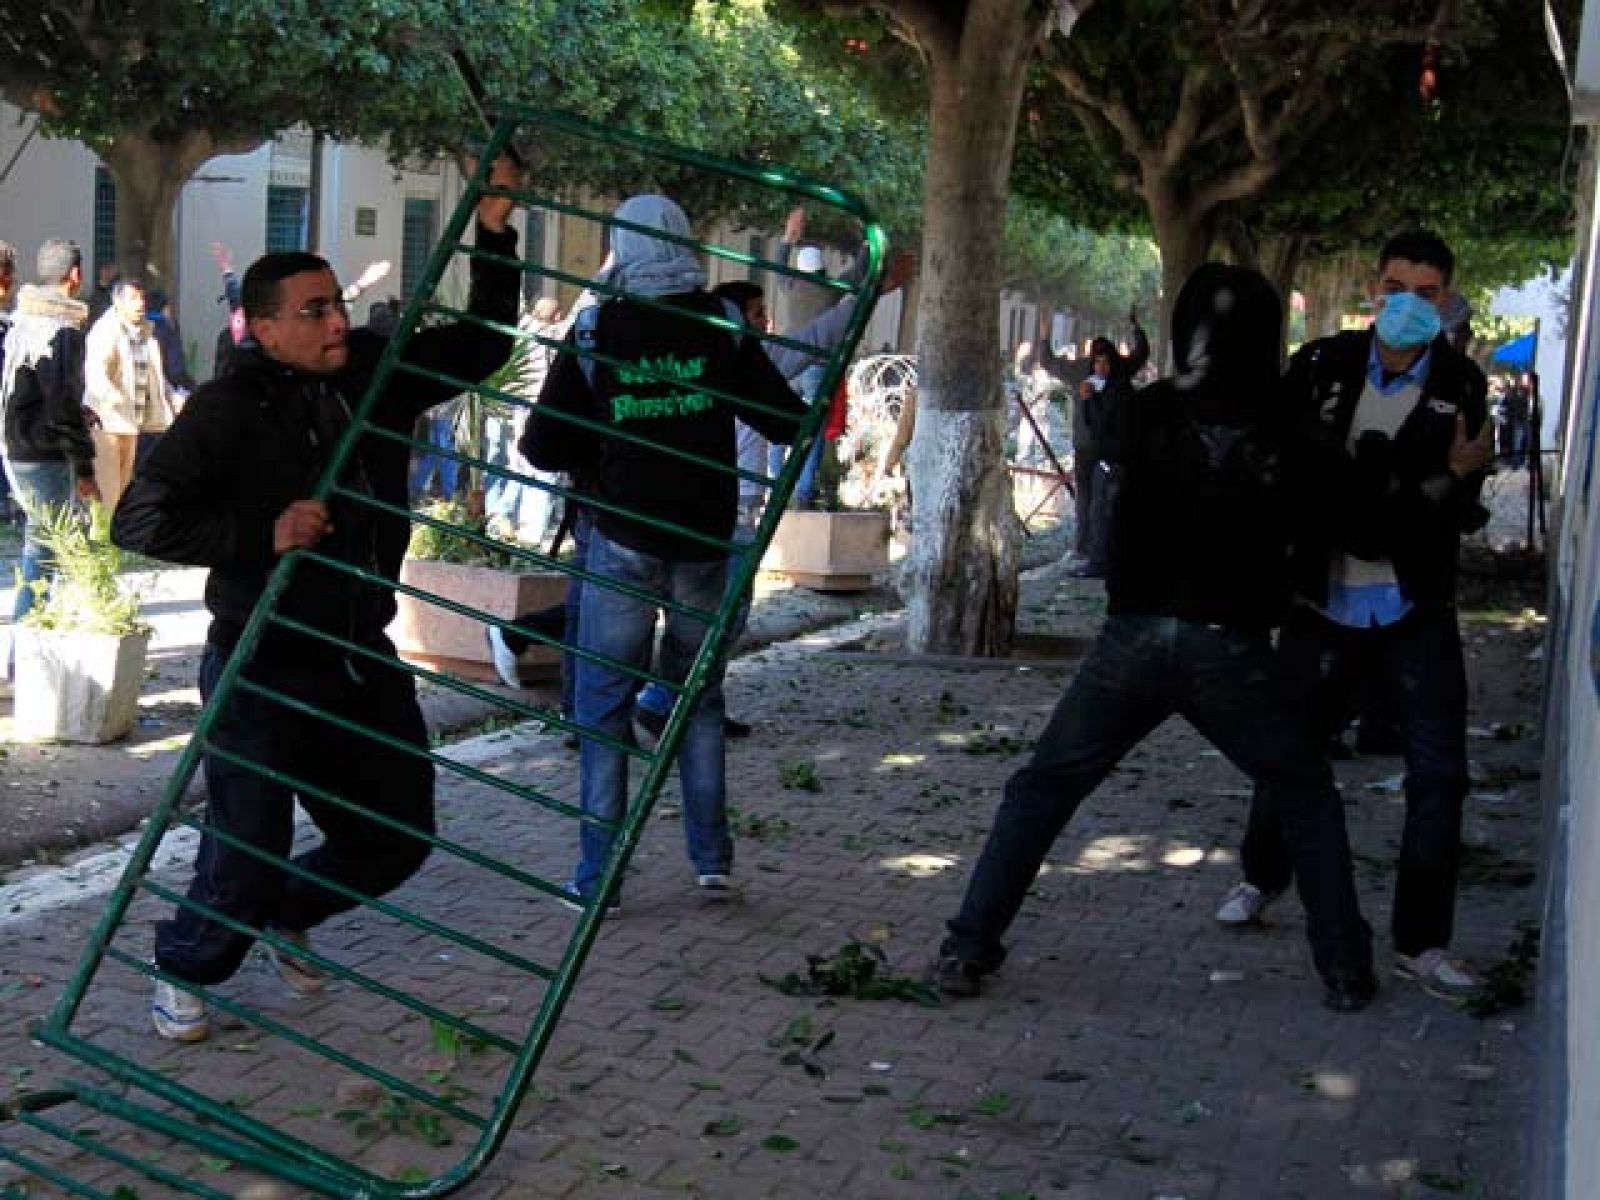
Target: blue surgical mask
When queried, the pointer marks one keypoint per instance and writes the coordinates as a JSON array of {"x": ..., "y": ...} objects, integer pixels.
[{"x": 1407, "y": 321}]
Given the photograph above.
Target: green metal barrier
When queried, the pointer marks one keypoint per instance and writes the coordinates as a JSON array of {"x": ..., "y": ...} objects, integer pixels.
[{"x": 402, "y": 1054}]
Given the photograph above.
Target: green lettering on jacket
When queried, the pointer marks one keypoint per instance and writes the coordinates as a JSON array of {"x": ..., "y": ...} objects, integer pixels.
[
  {"x": 666, "y": 369},
  {"x": 646, "y": 408}
]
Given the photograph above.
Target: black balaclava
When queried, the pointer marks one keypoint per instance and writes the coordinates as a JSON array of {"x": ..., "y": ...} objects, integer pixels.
[{"x": 1227, "y": 327}]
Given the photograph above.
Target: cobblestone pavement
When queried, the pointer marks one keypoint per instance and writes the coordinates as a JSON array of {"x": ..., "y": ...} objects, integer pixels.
[
  {"x": 1130, "y": 1048},
  {"x": 61, "y": 798}
]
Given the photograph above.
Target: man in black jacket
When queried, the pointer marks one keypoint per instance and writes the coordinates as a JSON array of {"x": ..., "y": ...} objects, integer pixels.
[
  {"x": 1214, "y": 475},
  {"x": 229, "y": 487},
  {"x": 49, "y": 455},
  {"x": 1402, "y": 418},
  {"x": 1103, "y": 388},
  {"x": 667, "y": 385}
]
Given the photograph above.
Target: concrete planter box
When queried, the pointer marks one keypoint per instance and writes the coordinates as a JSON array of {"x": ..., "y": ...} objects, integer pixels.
[
  {"x": 77, "y": 687},
  {"x": 830, "y": 551},
  {"x": 441, "y": 640}
]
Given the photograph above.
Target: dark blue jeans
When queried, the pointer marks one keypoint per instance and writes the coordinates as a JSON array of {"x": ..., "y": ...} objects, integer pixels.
[
  {"x": 1419, "y": 659},
  {"x": 621, "y": 628},
  {"x": 656, "y": 697},
  {"x": 43, "y": 490},
  {"x": 582, "y": 527},
  {"x": 360, "y": 854},
  {"x": 1227, "y": 684}
]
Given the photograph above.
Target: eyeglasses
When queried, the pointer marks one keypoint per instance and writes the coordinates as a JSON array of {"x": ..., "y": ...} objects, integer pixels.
[{"x": 319, "y": 309}]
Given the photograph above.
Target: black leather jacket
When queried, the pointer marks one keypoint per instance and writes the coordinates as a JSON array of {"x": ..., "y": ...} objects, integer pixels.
[
  {"x": 253, "y": 441},
  {"x": 1396, "y": 499}
]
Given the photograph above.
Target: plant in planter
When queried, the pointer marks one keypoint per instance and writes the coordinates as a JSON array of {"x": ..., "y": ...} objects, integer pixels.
[
  {"x": 466, "y": 572},
  {"x": 80, "y": 654},
  {"x": 844, "y": 545}
]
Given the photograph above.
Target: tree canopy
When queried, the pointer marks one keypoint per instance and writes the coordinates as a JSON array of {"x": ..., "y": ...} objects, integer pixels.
[
  {"x": 158, "y": 88},
  {"x": 1254, "y": 122},
  {"x": 1063, "y": 265},
  {"x": 1479, "y": 159}
]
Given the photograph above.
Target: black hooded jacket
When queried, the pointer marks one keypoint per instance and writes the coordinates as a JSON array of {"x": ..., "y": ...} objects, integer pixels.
[
  {"x": 1215, "y": 476},
  {"x": 635, "y": 396},
  {"x": 253, "y": 441}
]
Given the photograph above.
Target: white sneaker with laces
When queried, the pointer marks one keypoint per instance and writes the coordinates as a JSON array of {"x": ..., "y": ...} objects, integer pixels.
[
  {"x": 505, "y": 662},
  {"x": 1244, "y": 904},
  {"x": 177, "y": 1015},
  {"x": 1439, "y": 974},
  {"x": 300, "y": 975}
]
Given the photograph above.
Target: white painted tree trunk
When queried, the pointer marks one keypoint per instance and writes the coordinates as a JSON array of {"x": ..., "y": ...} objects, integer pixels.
[{"x": 965, "y": 537}]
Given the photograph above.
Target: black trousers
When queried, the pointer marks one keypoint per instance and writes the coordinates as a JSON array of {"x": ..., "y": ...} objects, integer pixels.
[
  {"x": 1227, "y": 684},
  {"x": 248, "y": 805},
  {"x": 1420, "y": 659}
]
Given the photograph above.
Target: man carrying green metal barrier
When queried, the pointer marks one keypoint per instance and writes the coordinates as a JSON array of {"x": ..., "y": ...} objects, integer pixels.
[{"x": 229, "y": 487}]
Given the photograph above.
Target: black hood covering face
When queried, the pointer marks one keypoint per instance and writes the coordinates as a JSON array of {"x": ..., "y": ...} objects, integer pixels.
[{"x": 1227, "y": 339}]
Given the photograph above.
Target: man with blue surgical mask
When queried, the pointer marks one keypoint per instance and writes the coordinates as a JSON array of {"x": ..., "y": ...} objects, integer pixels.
[{"x": 1405, "y": 441}]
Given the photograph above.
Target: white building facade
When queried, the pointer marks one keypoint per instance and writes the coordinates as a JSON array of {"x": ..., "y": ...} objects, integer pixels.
[{"x": 1564, "y": 1154}]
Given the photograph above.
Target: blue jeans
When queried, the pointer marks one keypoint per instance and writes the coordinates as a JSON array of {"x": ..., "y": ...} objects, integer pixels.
[
  {"x": 441, "y": 432},
  {"x": 655, "y": 696},
  {"x": 622, "y": 628},
  {"x": 582, "y": 528},
  {"x": 805, "y": 489},
  {"x": 1419, "y": 658},
  {"x": 499, "y": 434},
  {"x": 525, "y": 506},
  {"x": 39, "y": 488},
  {"x": 1229, "y": 687}
]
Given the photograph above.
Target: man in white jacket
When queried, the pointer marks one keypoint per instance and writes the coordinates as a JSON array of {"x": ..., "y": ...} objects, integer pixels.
[{"x": 125, "y": 387}]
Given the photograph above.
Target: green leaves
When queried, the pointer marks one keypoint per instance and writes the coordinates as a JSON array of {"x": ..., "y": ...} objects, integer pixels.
[
  {"x": 858, "y": 970},
  {"x": 87, "y": 595},
  {"x": 800, "y": 775}
]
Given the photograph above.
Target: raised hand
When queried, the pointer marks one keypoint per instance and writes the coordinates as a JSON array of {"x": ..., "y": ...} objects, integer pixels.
[{"x": 1468, "y": 455}]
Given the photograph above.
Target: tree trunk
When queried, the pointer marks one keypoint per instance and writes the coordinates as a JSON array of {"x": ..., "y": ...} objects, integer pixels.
[
  {"x": 1333, "y": 290},
  {"x": 1279, "y": 261},
  {"x": 965, "y": 545},
  {"x": 150, "y": 174},
  {"x": 1184, "y": 238}
]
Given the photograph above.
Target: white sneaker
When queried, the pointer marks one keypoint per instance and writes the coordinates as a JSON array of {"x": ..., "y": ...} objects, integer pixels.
[
  {"x": 574, "y": 902},
  {"x": 300, "y": 975},
  {"x": 1244, "y": 904},
  {"x": 178, "y": 1016},
  {"x": 505, "y": 662},
  {"x": 717, "y": 885},
  {"x": 1439, "y": 974}
]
